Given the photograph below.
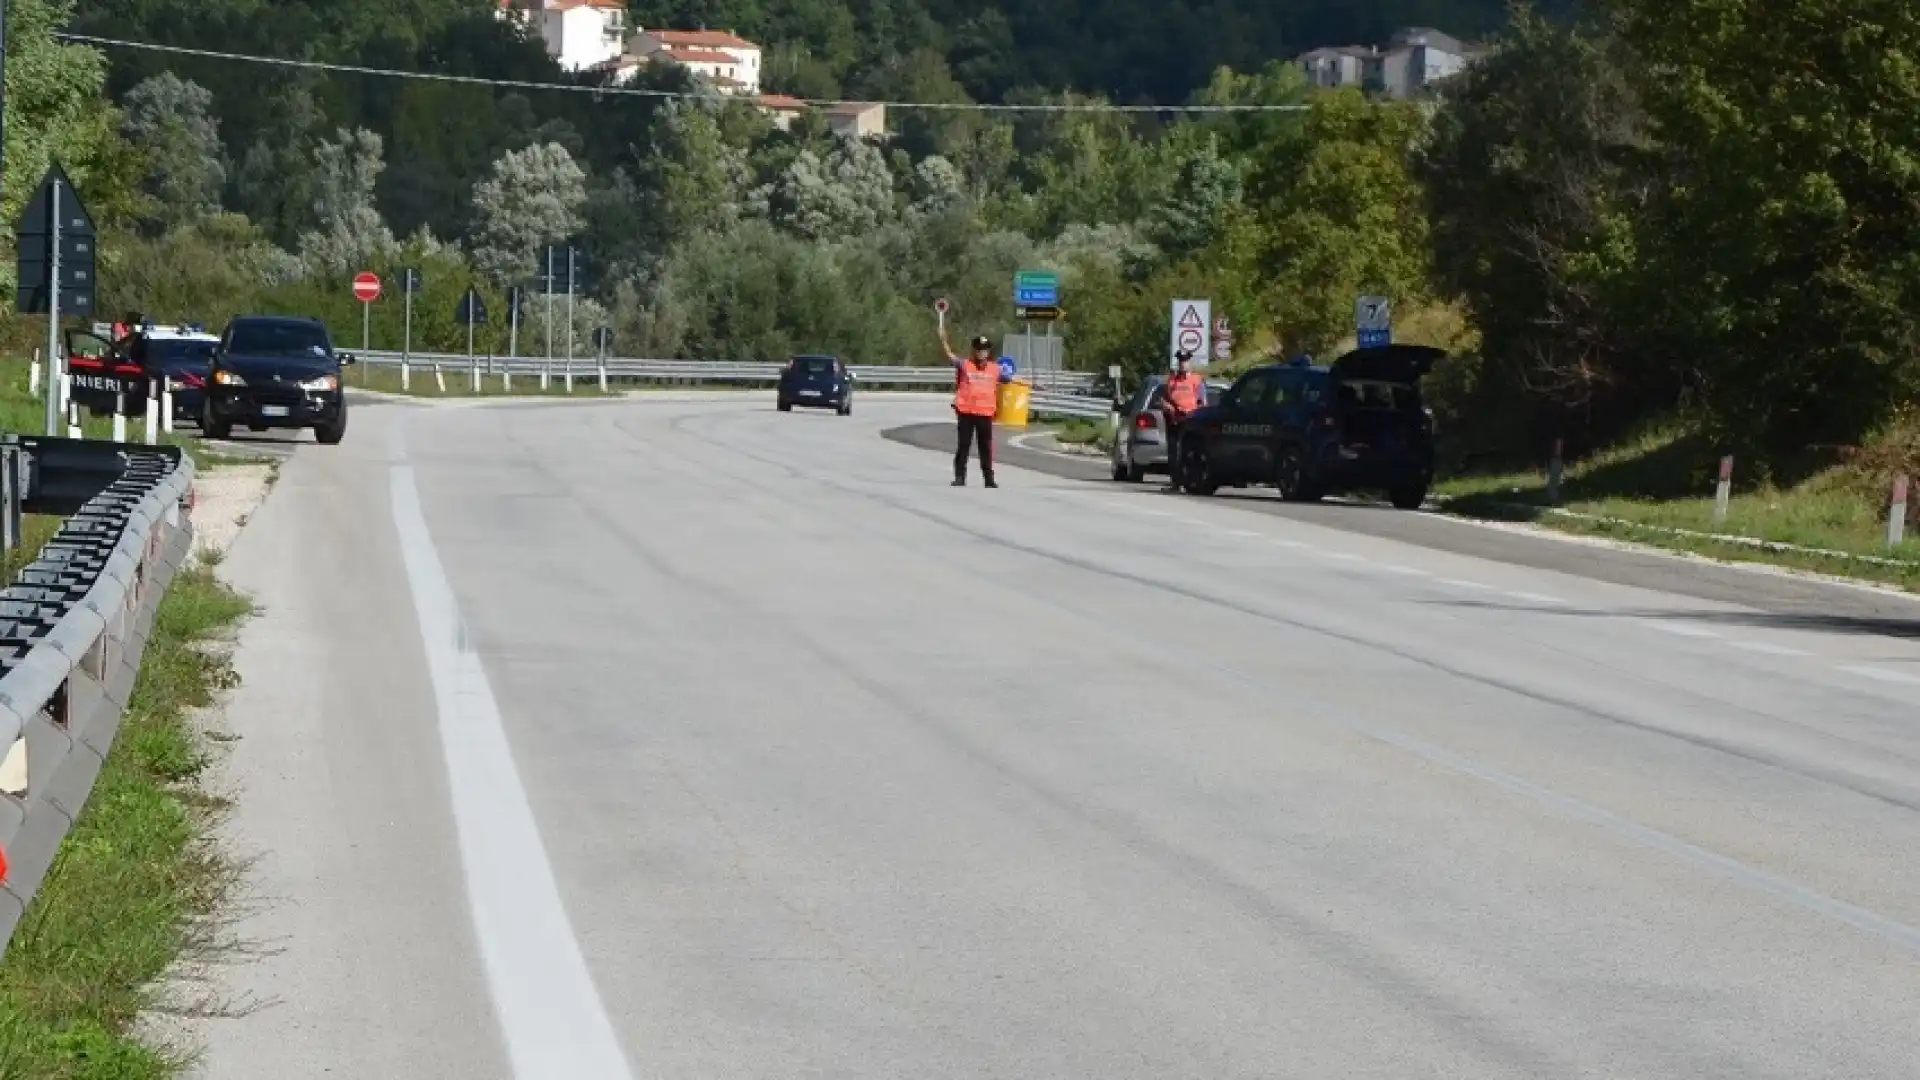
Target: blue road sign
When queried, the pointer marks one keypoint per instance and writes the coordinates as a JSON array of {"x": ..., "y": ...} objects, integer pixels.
[
  {"x": 1375, "y": 339},
  {"x": 1036, "y": 289}
]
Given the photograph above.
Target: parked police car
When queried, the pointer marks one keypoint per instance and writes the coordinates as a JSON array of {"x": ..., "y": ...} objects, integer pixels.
[
  {"x": 1357, "y": 424},
  {"x": 108, "y": 373},
  {"x": 183, "y": 356}
]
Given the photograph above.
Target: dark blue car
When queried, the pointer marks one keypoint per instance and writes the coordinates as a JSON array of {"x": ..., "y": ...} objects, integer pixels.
[
  {"x": 816, "y": 381},
  {"x": 183, "y": 357},
  {"x": 1308, "y": 431}
]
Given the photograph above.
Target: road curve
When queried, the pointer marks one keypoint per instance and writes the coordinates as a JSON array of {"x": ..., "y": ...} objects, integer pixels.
[{"x": 681, "y": 737}]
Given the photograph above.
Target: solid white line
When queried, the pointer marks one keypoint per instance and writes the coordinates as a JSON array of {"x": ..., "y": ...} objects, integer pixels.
[
  {"x": 1536, "y": 598},
  {"x": 1680, "y": 629},
  {"x": 1342, "y": 556},
  {"x": 1882, "y": 674},
  {"x": 1243, "y": 532},
  {"x": 1459, "y": 584},
  {"x": 549, "y": 1012},
  {"x": 1294, "y": 544},
  {"x": 1768, "y": 648},
  {"x": 1405, "y": 571}
]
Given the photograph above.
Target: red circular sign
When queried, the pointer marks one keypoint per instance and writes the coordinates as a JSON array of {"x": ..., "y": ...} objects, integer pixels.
[
  {"x": 940, "y": 305},
  {"x": 366, "y": 287}
]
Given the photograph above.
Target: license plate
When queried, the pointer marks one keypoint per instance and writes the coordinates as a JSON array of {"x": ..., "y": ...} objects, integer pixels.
[
  {"x": 273, "y": 410},
  {"x": 809, "y": 393}
]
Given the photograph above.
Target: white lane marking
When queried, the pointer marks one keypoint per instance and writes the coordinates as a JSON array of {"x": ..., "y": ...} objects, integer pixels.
[
  {"x": 1769, "y": 648},
  {"x": 1342, "y": 556},
  {"x": 1881, "y": 674},
  {"x": 1294, "y": 544},
  {"x": 1459, "y": 584},
  {"x": 1679, "y": 629},
  {"x": 1536, "y": 598},
  {"x": 1404, "y": 571},
  {"x": 549, "y": 1012},
  {"x": 1243, "y": 532}
]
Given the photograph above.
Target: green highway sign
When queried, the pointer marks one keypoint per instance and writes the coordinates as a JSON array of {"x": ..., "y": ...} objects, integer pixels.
[{"x": 1036, "y": 289}]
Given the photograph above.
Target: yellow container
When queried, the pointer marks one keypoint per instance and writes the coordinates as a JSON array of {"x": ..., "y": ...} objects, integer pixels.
[{"x": 1014, "y": 399}]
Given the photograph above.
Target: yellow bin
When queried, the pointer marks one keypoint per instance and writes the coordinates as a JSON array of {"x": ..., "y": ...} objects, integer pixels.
[{"x": 1011, "y": 409}]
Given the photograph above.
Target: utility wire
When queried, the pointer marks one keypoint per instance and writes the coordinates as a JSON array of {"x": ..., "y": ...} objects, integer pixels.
[{"x": 627, "y": 91}]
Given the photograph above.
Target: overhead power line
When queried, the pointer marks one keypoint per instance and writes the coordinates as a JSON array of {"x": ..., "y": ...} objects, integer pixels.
[{"x": 628, "y": 91}]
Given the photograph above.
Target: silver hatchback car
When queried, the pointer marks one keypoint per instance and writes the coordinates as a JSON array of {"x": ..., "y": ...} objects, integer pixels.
[{"x": 1141, "y": 445}]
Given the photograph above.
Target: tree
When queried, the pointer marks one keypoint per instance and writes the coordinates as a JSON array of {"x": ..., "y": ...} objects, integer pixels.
[
  {"x": 1340, "y": 215},
  {"x": 169, "y": 121},
  {"x": 1533, "y": 180},
  {"x": 1190, "y": 218},
  {"x": 848, "y": 194},
  {"x": 532, "y": 198},
  {"x": 349, "y": 230},
  {"x": 53, "y": 106},
  {"x": 1783, "y": 236}
]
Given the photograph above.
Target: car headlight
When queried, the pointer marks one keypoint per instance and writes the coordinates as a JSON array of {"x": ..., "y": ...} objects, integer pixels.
[
  {"x": 228, "y": 378},
  {"x": 323, "y": 382}
]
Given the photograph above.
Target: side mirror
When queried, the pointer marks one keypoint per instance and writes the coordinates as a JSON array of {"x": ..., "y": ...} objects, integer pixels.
[{"x": 347, "y": 358}]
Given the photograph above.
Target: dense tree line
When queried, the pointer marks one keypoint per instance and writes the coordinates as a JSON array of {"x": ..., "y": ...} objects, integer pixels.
[{"x": 1646, "y": 212}]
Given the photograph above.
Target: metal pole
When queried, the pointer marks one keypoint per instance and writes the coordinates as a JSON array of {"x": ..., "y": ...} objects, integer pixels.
[
  {"x": 55, "y": 368},
  {"x": 513, "y": 331},
  {"x": 569, "y": 319},
  {"x": 546, "y": 369},
  {"x": 406, "y": 339},
  {"x": 366, "y": 327}
]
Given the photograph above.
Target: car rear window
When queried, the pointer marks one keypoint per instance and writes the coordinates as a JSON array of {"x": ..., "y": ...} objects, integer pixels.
[
  {"x": 181, "y": 352},
  {"x": 813, "y": 365},
  {"x": 1367, "y": 394}
]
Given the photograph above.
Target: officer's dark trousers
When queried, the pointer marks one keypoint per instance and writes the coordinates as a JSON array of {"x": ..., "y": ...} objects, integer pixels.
[{"x": 974, "y": 429}]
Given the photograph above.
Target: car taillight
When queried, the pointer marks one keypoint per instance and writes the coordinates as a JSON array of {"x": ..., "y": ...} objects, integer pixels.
[{"x": 1143, "y": 421}]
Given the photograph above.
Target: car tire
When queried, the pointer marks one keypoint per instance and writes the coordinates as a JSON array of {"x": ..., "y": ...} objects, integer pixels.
[
  {"x": 846, "y": 408},
  {"x": 214, "y": 429},
  {"x": 331, "y": 434},
  {"x": 1408, "y": 496},
  {"x": 1290, "y": 477},
  {"x": 784, "y": 406}
]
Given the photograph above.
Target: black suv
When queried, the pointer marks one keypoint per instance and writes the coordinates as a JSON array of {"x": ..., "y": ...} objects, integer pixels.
[
  {"x": 275, "y": 371},
  {"x": 1357, "y": 424},
  {"x": 819, "y": 381}
]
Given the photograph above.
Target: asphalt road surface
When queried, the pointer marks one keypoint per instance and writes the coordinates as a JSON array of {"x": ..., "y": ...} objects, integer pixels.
[{"x": 684, "y": 738}]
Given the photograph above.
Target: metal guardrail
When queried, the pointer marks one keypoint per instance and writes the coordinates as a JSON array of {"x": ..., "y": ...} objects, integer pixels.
[
  {"x": 73, "y": 625},
  {"x": 634, "y": 369},
  {"x": 1078, "y": 406}
]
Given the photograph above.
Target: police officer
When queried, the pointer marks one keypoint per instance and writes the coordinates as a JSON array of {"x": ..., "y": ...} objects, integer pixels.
[
  {"x": 976, "y": 397},
  {"x": 1185, "y": 392}
]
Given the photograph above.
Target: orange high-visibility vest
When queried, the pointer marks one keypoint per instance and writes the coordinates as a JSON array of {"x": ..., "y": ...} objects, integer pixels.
[
  {"x": 1183, "y": 391},
  {"x": 977, "y": 388}
]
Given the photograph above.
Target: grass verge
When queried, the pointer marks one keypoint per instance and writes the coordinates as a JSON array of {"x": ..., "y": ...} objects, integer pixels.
[
  {"x": 1081, "y": 432},
  {"x": 1658, "y": 489},
  {"x": 459, "y": 382},
  {"x": 24, "y": 412},
  {"x": 138, "y": 881}
]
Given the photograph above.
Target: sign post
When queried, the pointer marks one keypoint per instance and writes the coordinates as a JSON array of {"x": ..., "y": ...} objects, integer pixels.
[
  {"x": 570, "y": 267},
  {"x": 1373, "y": 322},
  {"x": 366, "y": 289},
  {"x": 546, "y": 286},
  {"x": 940, "y": 311},
  {"x": 472, "y": 310},
  {"x": 602, "y": 346},
  {"x": 55, "y": 241},
  {"x": 1192, "y": 323}
]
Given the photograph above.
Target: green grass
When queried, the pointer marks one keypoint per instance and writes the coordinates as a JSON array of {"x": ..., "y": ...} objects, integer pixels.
[
  {"x": 1658, "y": 488},
  {"x": 23, "y": 412},
  {"x": 1081, "y": 432},
  {"x": 421, "y": 382},
  {"x": 138, "y": 881}
]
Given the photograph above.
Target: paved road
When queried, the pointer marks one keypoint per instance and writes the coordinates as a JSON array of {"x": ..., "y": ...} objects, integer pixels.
[{"x": 684, "y": 738}]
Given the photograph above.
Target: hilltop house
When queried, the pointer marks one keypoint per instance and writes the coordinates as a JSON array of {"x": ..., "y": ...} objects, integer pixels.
[
  {"x": 580, "y": 34},
  {"x": 1415, "y": 59}
]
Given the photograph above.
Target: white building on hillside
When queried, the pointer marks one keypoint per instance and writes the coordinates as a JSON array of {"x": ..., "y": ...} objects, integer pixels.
[
  {"x": 1415, "y": 60},
  {"x": 722, "y": 58},
  {"x": 579, "y": 34}
]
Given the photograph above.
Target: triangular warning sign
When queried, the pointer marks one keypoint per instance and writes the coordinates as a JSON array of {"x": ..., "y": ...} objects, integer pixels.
[{"x": 1191, "y": 320}]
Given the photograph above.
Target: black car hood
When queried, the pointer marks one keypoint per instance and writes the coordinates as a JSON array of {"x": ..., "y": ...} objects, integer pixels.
[
  {"x": 282, "y": 368},
  {"x": 1388, "y": 363}
]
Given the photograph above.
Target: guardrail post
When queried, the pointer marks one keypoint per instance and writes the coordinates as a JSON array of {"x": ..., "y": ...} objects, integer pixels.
[
  {"x": 1723, "y": 491},
  {"x": 439, "y": 377},
  {"x": 546, "y": 376},
  {"x": 1897, "y": 513},
  {"x": 1556, "y": 470},
  {"x": 474, "y": 364},
  {"x": 119, "y": 418},
  {"x": 152, "y": 417},
  {"x": 506, "y": 377},
  {"x": 166, "y": 407},
  {"x": 33, "y": 376}
]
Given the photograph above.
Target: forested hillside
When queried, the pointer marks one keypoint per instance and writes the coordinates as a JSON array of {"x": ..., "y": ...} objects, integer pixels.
[{"x": 1609, "y": 221}]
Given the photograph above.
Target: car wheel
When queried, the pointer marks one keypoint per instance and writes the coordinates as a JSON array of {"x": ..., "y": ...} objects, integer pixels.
[
  {"x": 846, "y": 407},
  {"x": 784, "y": 406},
  {"x": 214, "y": 429},
  {"x": 1408, "y": 496},
  {"x": 1194, "y": 475},
  {"x": 1290, "y": 477},
  {"x": 331, "y": 434}
]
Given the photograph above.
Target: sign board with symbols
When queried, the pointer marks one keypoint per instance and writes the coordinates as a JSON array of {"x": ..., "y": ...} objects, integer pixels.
[
  {"x": 1038, "y": 314},
  {"x": 1192, "y": 331},
  {"x": 1036, "y": 289},
  {"x": 55, "y": 217},
  {"x": 1373, "y": 322},
  {"x": 472, "y": 310},
  {"x": 1222, "y": 339}
]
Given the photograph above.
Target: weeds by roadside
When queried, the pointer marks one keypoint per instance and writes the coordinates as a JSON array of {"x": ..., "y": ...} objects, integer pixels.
[{"x": 138, "y": 883}]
